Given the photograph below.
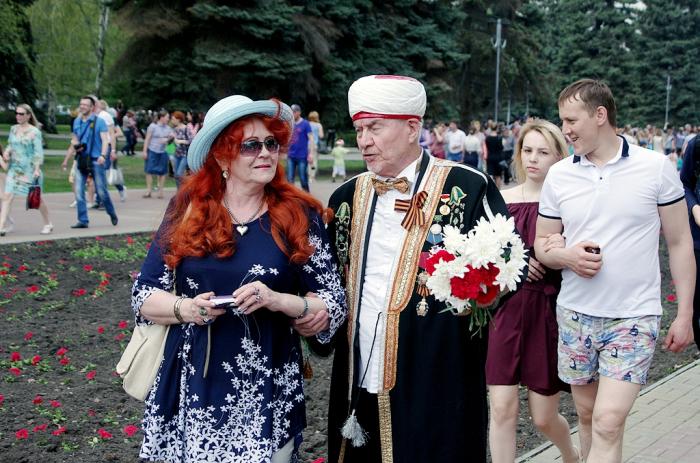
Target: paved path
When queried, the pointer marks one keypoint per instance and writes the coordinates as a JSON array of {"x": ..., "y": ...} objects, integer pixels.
[
  {"x": 136, "y": 214},
  {"x": 663, "y": 427}
]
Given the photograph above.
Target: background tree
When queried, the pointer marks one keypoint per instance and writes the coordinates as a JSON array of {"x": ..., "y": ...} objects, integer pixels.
[
  {"x": 669, "y": 44},
  {"x": 598, "y": 39},
  {"x": 66, "y": 40},
  {"x": 16, "y": 54}
]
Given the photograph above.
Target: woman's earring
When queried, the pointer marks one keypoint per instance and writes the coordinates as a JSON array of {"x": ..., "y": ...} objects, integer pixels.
[{"x": 224, "y": 173}]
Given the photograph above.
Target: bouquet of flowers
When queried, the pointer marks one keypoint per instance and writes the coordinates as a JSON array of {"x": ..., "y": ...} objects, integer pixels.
[{"x": 471, "y": 272}]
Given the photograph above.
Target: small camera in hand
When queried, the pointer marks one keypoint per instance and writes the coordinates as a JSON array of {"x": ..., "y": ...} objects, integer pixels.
[
  {"x": 224, "y": 302},
  {"x": 592, "y": 250}
]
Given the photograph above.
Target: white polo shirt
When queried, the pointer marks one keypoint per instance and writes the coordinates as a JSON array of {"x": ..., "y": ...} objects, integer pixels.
[{"x": 615, "y": 206}]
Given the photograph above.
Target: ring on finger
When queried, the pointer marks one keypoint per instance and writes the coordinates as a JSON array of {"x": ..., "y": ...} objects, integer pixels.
[
  {"x": 258, "y": 298},
  {"x": 257, "y": 292},
  {"x": 203, "y": 311}
]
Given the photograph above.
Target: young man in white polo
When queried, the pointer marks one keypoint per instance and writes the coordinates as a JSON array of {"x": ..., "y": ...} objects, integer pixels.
[{"x": 609, "y": 201}]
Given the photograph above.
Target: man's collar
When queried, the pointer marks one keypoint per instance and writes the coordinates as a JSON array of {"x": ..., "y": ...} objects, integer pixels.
[{"x": 622, "y": 152}]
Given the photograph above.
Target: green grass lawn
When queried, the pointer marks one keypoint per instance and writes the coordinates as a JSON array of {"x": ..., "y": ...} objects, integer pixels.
[{"x": 56, "y": 179}]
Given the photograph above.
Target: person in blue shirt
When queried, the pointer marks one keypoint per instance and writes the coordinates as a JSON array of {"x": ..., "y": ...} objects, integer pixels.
[
  {"x": 298, "y": 155},
  {"x": 90, "y": 134}
]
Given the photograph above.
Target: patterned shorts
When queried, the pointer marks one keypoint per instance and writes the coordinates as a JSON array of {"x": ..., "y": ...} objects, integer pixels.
[{"x": 618, "y": 348}]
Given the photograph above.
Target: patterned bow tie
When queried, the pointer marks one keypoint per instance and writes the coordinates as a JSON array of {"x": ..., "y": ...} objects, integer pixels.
[{"x": 382, "y": 186}]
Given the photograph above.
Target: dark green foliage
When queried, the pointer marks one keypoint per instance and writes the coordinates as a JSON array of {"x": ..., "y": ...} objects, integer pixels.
[
  {"x": 670, "y": 44},
  {"x": 16, "y": 53},
  {"x": 189, "y": 53}
]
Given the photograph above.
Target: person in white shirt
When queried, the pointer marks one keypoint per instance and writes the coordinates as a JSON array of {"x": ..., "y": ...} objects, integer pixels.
[
  {"x": 454, "y": 143},
  {"x": 472, "y": 148},
  {"x": 101, "y": 109},
  {"x": 610, "y": 201}
]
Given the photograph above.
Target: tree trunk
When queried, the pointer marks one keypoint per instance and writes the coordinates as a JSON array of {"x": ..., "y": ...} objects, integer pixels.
[
  {"x": 100, "y": 51},
  {"x": 50, "y": 111}
]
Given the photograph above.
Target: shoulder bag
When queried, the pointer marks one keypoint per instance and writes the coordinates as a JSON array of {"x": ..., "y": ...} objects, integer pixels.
[
  {"x": 141, "y": 359},
  {"x": 34, "y": 195},
  {"x": 115, "y": 176}
]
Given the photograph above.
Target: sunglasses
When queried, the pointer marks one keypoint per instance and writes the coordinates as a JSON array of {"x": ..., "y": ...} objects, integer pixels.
[
  {"x": 254, "y": 147},
  {"x": 20, "y": 114}
]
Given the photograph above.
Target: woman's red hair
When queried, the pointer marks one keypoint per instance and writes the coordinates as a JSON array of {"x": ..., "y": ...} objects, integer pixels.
[{"x": 199, "y": 224}]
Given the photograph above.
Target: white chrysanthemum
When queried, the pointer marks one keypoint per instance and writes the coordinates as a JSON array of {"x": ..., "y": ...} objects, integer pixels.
[
  {"x": 459, "y": 304},
  {"x": 517, "y": 250},
  {"x": 482, "y": 249},
  {"x": 452, "y": 239},
  {"x": 503, "y": 229},
  {"x": 439, "y": 282},
  {"x": 510, "y": 274}
]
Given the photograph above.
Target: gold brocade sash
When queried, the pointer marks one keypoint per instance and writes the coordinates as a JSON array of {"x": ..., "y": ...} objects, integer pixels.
[
  {"x": 361, "y": 209},
  {"x": 407, "y": 269},
  {"x": 401, "y": 289}
]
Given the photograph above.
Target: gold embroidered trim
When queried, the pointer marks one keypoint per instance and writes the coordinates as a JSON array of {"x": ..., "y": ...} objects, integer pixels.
[
  {"x": 385, "y": 432},
  {"x": 407, "y": 269},
  {"x": 362, "y": 200}
]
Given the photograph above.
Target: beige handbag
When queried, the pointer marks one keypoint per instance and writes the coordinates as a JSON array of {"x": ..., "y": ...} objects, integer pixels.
[{"x": 141, "y": 359}]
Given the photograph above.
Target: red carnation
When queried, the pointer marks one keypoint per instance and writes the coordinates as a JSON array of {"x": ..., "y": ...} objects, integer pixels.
[
  {"x": 28, "y": 335},
  {"x": 104, "y": 434},
  {"x": 2, "y": 400},
  {"x": 79, "y": 292},
  {"x": 59, "y": 431},
  {"x": 129, "y": 240},
  {"x": 21, "y": 268},
  {"x": 40, "y": 427},
  {"x": 55, "y": 404},
  {"x": 22, "y": 434},
  {"x": 433, "y": 260},
  {"x": 64, "y": 361},
  {"x": 90, "y": 375},
  {"x": 130, "y": 430},
  {"x": 61, "y": 352},
  {"x": 123, "y": 324},
  {"x": 464, "y": 287},
  {"x": 15, "y": 357},
  {"x": 671, "y": 298},
  {"x": 36, "y": 359},
  {"x": 119, "y": 337},
  {"x": 32, "y": 289},
  {"x": 38, "y": 400},
  {"x": 15, "y": 371},
  {"x": 100, "y": 329}
]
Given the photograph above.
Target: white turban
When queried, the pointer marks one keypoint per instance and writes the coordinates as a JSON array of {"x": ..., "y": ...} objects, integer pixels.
[{"x": 388, "y": 97}]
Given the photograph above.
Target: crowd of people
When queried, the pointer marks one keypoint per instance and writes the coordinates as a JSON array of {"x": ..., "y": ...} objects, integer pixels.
[{"x": 589, "y": 201}]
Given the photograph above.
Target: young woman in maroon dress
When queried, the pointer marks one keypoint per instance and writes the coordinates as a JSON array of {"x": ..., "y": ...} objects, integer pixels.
[{"x": 523, "y": 335}]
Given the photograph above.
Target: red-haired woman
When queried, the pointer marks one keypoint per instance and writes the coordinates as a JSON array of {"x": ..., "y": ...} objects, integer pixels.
[{"x": 230, "y": 386}]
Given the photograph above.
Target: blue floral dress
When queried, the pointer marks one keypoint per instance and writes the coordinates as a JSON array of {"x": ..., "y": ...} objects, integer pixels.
[
  {"x": 247, "y": 402},
  {"x": 27, "y": 154}
]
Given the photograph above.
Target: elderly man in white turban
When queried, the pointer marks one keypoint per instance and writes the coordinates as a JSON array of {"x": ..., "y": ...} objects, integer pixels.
[{"x": 408, "y": 376}]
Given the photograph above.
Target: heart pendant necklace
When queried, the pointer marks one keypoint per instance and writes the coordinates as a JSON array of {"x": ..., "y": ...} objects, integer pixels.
[{"x": 242, "y": 227}]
